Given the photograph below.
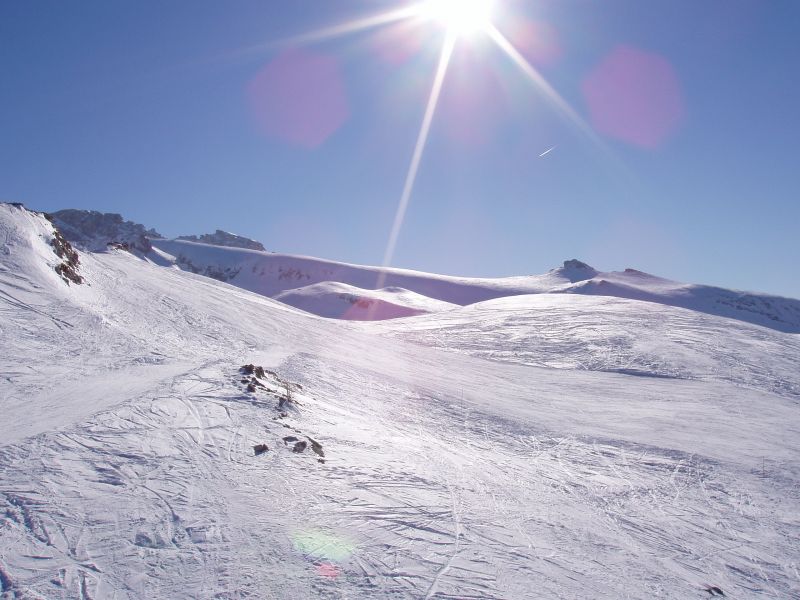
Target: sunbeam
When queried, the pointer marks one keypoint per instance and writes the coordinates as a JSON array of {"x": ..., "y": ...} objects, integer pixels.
[
  {"x": 354, "y": 26},
  {"x": 433, "y": 100},
  {"x": 541, "y": 83},
  {"x": 460, "y": 19},
  {"x": 613, "y": 162}
]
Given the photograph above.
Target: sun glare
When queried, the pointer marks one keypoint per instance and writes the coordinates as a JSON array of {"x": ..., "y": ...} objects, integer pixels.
[{"x": 461, "y": 17}]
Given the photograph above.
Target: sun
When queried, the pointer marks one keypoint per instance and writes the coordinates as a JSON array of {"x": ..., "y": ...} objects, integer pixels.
[{"x": 460, "y": 17}]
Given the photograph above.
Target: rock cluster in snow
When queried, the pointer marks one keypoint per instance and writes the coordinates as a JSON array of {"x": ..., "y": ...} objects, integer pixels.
[{"x": 68, "y": 269}]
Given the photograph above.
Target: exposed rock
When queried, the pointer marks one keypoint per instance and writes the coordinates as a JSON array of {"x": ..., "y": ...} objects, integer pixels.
[
  {"x": 577, "y": 264},
  {"x": 68, "y": 269},
  {"x": 260, "y": 449},
  {"x": 317, "y": 448},
  {"x": 224, "y": 238},
  {"x": 299, "y": 447},
  {"x": 95, "y": 231},
  {"x": 223, "y": 274},
  {"x": 575, "y": 270}
]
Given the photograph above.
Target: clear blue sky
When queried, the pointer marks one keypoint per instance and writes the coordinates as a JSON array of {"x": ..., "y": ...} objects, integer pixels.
[{"x": 171, "y": 114}]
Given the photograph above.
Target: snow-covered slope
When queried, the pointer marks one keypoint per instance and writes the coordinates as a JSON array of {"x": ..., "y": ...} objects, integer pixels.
[
  {"x": 341, "y": 301},
  {"x": 270, "y": 274},
  {"x": 242, "y": 262},
  {"x": 275, "y": 274},
  {"x": 598, "y": 333},
  {"x": 128, "y": 468},
  {"x": 778, "y": 313}
]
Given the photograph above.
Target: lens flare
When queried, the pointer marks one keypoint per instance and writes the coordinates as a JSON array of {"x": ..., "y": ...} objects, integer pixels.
[
  {"x": 462, "y": 21},
  {"x": 322, "y": 545}
]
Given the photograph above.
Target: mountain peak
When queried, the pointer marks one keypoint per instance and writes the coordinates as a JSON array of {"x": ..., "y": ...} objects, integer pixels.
[
  {"x": 575, "y": 270},
  {"x": 225, "y": 238},
  {"x": 574, "y": 263}
]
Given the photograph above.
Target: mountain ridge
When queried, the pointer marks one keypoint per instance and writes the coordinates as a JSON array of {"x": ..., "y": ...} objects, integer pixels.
[{"x": 297, "y": 280}]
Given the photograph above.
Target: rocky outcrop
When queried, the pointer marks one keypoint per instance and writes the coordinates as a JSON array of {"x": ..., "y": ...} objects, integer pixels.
[
  {"x": 224, "y": 238},
  {"x": 95, "y": 231},
  {"x": 68, "y": 269}
]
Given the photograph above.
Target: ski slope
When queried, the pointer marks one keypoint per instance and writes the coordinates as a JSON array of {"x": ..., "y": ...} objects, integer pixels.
[{"x": 545, "y": 446}]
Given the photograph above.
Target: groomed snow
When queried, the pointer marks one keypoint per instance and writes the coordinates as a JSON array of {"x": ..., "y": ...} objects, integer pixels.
[{"x": 448, "y": 473}]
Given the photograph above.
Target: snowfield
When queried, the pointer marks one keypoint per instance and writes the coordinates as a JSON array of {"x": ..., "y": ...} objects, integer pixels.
[
  {"x": 276, "y": 275},
  {"x": 529, "y": 445}
]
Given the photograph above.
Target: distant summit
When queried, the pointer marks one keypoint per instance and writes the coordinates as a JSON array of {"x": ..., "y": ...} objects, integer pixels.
[
  {"x": 575, "y": 270},
  {"x": 225, "y": 238},
  {"x": 95, "y": 231}
]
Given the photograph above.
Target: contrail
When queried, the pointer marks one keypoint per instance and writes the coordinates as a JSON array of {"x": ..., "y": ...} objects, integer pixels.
[
  {"x": 546, "y": 152},
  {"x": 411, "y": 177}
]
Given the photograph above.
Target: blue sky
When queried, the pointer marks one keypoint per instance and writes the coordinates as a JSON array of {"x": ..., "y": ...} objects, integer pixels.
[{"x": 166, "y": 113}]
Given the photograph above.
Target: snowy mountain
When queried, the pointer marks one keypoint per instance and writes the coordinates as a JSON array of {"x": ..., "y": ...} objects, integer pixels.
[
  {"x": 338, "y": 290},
  {"x": 276, "y": 275},
  {"x": 168, "y": 435},
  {"x": 224, "y": 238}
]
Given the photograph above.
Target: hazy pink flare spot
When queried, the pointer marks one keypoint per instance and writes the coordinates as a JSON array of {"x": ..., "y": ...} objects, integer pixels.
[
  {"x": 328, "y": 570},
  {"x": 473, "y": 100},
  {"x": 537, "y": 41},
  {"x": 299, "y": 97},
  {"x": 397, "y": 43},
  {"x": 634, "y": 96}
]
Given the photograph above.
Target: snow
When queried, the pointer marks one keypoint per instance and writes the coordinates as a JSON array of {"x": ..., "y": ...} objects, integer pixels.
[
  {"x": 547, "y": 445},
  {"x": 341, "y": 301},
  {"x": 274, "y": 275},
  {"x": 296, "y": 279}
]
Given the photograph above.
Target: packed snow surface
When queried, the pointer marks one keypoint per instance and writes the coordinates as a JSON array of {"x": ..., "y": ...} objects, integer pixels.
[{"x": 545, "y": 446}]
